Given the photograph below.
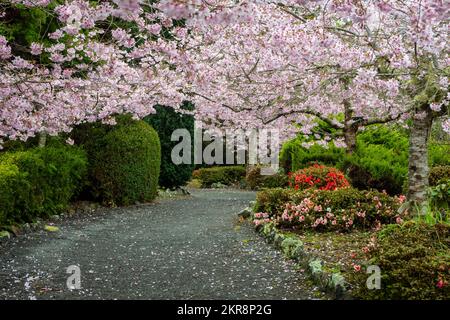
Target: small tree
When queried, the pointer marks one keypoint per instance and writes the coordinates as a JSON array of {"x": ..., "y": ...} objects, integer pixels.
[{"x": 165, "y": 121}]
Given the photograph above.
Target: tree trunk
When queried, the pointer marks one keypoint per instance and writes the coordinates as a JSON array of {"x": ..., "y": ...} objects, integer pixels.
[
  {"x": 42, "y": 139},
  {"x": 418, "y": 163},
  {"x": 350, "y": 137},
  {"x": 350, "y": 128}
]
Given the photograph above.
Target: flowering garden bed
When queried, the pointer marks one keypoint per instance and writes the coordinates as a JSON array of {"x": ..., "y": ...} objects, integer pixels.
[{"x": 337, "y": 233}]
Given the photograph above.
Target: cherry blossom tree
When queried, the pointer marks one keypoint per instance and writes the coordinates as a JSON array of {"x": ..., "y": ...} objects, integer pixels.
[
  {"x": 244, "y": 63},
  {"x": 349, "y": 63},
  {"x": 103, "y": 58}
]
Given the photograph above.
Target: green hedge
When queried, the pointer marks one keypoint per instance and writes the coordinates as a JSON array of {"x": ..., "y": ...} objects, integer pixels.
[
  {"x": 39, "y": 182},
  {"x": 165, "y": 121},
  {"x": 255, "y": 180},
  {"x": 124, "y": 160},
  {"x": 226, "y": 175},
  {"x": 414, "y": 261}
]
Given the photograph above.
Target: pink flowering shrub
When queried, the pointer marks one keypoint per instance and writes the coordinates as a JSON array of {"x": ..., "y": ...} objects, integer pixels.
[
  {"x": 260, "y": 218},
  {"x": 340, "y": 210}
]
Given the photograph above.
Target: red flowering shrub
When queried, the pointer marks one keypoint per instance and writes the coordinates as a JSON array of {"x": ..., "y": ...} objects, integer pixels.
[{"x": 319, "y": 177}]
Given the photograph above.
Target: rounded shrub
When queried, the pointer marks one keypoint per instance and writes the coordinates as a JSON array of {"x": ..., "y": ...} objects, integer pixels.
[
  {"x": 165, "y": 121},
  {"x": 437, "y": 174},
  {"x": 318, "y": 176},
  {"x": 124, "y": 160},
  {"x": 414, "y": 261}
]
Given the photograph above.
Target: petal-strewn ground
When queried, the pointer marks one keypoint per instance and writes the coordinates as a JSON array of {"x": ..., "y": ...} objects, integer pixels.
[{"x": 188, "y": 248}]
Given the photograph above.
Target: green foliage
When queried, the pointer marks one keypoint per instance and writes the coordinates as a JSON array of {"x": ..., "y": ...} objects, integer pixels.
[
  {"x": 348, "y": 208},
  {"x": 439, "y": 197},
  {"x": 39, "y": 182},
  {"x": 294, "y": 156},
  {"x": 273, "y": 200},
  {"x": 438, "y": 154},
  {"x": 414, "y": 261},
  {"x": 438, "y": 173},
  {"x": 255, "y": 180},
  {"x": 226, "y": 175},
  {"x": 124, "y": 160},
  {"x": 165, "y": 121},
  {"x": 380, "y": 160}
]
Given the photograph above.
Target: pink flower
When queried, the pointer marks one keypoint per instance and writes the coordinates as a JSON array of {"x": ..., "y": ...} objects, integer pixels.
[
  {"x": 56, "y": 35},
  {"x": 361, "y": 214},
  {"x": 334, "y": 222},
  {"x": 36, "y": 48},
  {"x": 5, "y": 50},
  {"x": 440, "y": 284},
  {"x": 301, "y": 218},
  {"x": 357, "y": 267},
  {"x": 154, "y": 28},
  {"x": 399, "y": 220}
]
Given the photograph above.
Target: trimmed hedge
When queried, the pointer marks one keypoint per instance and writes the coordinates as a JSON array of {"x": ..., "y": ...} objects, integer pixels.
[
  {"x": 255, "y": 180},
  {"x": 124, "y": 160},
  {"x": 39, "y": 182},
  {"x": 323, "y": 210},
  {"x": 226, "y": 175},
  {"x": 414, "y": 261},
  {"x": 165, "y": 121}
]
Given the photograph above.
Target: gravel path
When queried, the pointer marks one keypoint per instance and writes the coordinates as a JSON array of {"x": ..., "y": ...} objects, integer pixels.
[{"x": 190, "y": 248}]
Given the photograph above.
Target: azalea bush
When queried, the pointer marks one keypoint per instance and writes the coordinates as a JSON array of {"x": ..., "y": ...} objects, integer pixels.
[
  {"x": 437, "y": 174},
  {"x": 323, "y": 210},
  {"x": 414, "y": 261},
  {"x": 318, "y": 176}
]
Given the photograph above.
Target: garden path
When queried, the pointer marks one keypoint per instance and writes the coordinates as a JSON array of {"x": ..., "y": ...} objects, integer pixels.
[{"x": 184, "y": 248}]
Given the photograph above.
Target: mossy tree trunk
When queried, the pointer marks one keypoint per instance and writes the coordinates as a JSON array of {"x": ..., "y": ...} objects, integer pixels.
[
  {"x": 42, "y": 139},
  {"x": 350, "y": 128},
  {"x": 418, "y": 162}
]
